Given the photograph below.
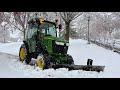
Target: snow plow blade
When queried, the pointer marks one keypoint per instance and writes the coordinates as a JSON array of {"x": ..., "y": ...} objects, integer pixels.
[
  {"x": 80, "y": 67},
  {"x": 88, "y": 67}
]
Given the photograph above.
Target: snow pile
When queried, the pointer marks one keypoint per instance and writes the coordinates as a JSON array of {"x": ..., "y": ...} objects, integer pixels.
[{"x": 35, "y": 72}]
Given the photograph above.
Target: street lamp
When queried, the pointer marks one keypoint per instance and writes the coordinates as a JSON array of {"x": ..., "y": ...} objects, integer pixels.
[{"x": 88, "y": 30}]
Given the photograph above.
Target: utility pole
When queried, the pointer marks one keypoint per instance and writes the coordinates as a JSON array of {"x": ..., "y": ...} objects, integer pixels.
[{"x": 88, "y": 30}]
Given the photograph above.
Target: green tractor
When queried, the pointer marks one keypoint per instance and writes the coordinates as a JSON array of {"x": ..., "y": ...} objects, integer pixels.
[{"x": 43, "y": 44}]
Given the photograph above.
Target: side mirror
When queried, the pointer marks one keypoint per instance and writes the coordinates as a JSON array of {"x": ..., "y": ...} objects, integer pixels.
[{"x": 60, "y": 26}]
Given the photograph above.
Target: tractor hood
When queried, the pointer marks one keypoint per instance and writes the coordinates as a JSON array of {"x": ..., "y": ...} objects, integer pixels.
[{"x": 56, "y": 39}]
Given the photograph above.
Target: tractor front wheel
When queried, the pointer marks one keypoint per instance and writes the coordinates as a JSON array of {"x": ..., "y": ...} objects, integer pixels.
[
  {"x": 43, "y": 61},
  {"x": 23, "y": 54}
]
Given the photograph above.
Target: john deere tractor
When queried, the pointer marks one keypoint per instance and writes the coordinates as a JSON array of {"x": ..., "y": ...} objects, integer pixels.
[{"x": 43, "y": 44}]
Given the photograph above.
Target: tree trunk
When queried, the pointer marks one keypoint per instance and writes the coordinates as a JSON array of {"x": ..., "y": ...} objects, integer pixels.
[
  {"x": 110, "y": 35},
  {"x": 4, "y": 39},
  {"x": 24, "y": 34},
  {"x": 67, "y": 30}
]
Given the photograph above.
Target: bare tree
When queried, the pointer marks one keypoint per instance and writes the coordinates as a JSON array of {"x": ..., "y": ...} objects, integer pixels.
[
  {"x": 1, "y": 17},
  {"x": 21, "y": 18},
  {"x": 68, "y": 17},
  {"x": 4, "y": 33},
  {"x": 18, "y": 20}
]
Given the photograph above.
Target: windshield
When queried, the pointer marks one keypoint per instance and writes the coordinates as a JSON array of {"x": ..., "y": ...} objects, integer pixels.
[
  {"x": 31, "y": 32},
  {"x": 48, "y": 29}
]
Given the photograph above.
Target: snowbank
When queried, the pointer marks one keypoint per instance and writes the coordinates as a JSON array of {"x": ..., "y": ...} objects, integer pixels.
[{"x": 10, "y": 48}]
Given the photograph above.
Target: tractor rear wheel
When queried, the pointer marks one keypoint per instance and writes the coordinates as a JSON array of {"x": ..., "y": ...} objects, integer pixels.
[
  {"x": 43, "y": 61},
  {"x": 23, "y": 54}
]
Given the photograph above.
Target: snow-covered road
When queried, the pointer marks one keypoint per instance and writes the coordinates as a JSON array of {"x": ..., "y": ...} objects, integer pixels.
[
  {"x": 5, "y": 70},
  {"x": 79, "y": 49}
]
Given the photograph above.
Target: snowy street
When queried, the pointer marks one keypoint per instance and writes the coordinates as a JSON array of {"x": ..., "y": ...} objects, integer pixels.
[
  {"x": 11, "y": 67},
  {"x": 5, "y": 70}
]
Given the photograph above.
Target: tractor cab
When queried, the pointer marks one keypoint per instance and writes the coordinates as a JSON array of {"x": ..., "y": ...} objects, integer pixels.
[
  {"x": 47, "y": 29},
  {"x": 41, "y": 28}
]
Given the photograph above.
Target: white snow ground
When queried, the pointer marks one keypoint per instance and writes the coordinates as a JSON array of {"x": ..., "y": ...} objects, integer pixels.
[{"x": 11, "y": 67}]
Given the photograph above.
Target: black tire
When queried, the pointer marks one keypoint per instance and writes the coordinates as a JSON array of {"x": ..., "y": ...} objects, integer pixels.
[
  {"x": 27, "y": 57},
  {"x": 44, "y": 63},
  {"x": 47, "y": 61},
  {"x": 69, "y": 59}
]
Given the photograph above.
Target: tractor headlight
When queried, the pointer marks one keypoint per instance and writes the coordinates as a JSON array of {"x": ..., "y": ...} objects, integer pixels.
[
  {"x": 59, "y": 43},
  {"x": 67, "y": 44}
]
